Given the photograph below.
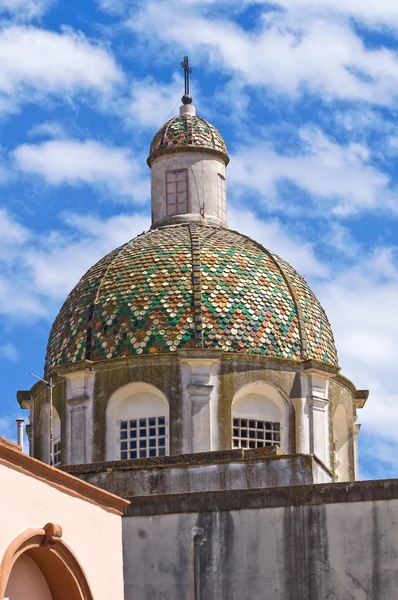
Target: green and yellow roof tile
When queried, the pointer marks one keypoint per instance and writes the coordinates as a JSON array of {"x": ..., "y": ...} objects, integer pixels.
[
  {"x": 187, "y": 132},
  {"x": 161, "y": 293}
]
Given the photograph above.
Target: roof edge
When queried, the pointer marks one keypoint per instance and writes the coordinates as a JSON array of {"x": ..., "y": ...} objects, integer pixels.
[
  {"x": 11, "y": 456},
  {"x": 203, "y": 149}
]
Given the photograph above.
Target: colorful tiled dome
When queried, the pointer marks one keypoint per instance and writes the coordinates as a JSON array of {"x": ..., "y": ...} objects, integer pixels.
[
  {"x": 185, "y": 286},
  {"x": 187, "y": 132}
]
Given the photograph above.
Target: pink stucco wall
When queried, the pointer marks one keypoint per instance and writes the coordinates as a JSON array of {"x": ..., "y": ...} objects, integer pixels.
[{"x": 93, "y": 533}]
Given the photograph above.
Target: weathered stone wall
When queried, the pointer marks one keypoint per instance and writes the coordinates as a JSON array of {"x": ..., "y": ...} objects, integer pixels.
[
  {"x": 214, "y": 471},
  {"x": 334, "y": 542}
]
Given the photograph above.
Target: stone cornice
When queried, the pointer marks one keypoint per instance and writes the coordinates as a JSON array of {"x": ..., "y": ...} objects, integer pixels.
[
  {"x": 361, "y": 397},
  {"x": 317, "y": 366},
  {"x": 78, "y": 400},
  {"x": 249, "y": 499}
]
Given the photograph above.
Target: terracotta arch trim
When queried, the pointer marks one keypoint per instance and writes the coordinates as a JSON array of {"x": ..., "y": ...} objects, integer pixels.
[{"x": 60, "y": 567}]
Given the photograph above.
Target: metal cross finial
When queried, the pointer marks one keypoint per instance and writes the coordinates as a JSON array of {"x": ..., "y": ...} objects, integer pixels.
[{"x": 186, "y": 99}]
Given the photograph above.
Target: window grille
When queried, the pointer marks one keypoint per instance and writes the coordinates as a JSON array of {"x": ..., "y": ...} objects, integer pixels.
[
  {"x": 57, "y": 452},
  {"x": 221, "y": 198},
  {"x": 251, "y": 433},
  {"x": 143, "y": 438},
  {"x": 177, "y": 192}
]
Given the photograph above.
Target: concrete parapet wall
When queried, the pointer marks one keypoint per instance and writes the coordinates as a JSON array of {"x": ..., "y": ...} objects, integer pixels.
[
  {"x": 333, "y": 541},
  {"x": 206, "y": 472}
]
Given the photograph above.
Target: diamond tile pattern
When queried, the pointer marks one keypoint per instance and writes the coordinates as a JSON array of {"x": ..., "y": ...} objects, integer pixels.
[
  {"x": 246, "y": 303},
  {"x": 71, "y": 328},
  {"x": 174, "y": 288},
  {"x": 320, "y": 341},
  {"x": 187, "y": 132}
]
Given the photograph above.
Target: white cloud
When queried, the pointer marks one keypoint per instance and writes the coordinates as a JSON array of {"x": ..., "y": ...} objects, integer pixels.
[
  {"x": 11, "y": 231},
  {"x": 35, "y": 62},
  {"x": 8, "y": 352},
  {"x": 361, "y": 303},
  {"x": 152, "y": 102},
  {"x": 47, "y": 129},
  {"x": 273, "y": 236},
  {"x": 71, "y": 162},
  {"x": 17, "y": 298},
  {"x": 341, "y": 177},
  {"x": 112, "y": 6},
  {"x": 25, "y": 9},
  {"x": 378, "y": 458},
  {"x": 55, "y": 269},
  {"x": 289, "y": 54},
  {"x": 40, "y": 273},
  {"x": 371, "y": 12}
]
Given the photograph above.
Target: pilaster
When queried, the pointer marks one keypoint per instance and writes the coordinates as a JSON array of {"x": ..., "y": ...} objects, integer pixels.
[
  {"x": 201, "y": 378},
  {"x": 79, "y": 426},
  {"x": 318, "y": 411},
  {"x": 302, "y": 422}
]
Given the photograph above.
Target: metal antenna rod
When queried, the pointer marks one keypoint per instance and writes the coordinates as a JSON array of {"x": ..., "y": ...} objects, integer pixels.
[{"x": 50, "y": 385}]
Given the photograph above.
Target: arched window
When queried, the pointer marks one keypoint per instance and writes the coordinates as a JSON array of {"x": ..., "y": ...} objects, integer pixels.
[
  {"x": 44, "y": 429},
  {"x": 137, "y": 423},
  {"x": 259, "y": 418},
  {"x": 341, "y": 444}
]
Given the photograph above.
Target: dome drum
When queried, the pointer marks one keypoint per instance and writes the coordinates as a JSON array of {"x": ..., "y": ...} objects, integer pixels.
[{"x": 184, "y": 378}]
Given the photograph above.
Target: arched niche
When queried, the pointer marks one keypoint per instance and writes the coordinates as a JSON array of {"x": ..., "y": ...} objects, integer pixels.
[
  {"x": 38, "y": 565},
  {"x": 137, "y": 402},
  {"x": 341, "y": 439},
  {"x": 263, "y": 403},
  {"x": 27, "y": 581},
  {"x": 44, "y": 428}
]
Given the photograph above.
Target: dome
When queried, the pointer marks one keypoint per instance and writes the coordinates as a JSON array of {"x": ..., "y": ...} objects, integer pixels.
[
  {"x": 185, "y": 286},
  {"x": 184, "y": 132}
]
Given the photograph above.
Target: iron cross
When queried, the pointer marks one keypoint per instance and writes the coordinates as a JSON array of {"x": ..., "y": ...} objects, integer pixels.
[{"x": 187, "y": 71}]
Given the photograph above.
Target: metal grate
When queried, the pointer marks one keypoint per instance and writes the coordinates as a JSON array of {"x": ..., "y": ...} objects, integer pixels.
[
  {"x": 57, "y": 452},
  {"x": 251, "y": 433},
  {"x": 143, "y": 438}
]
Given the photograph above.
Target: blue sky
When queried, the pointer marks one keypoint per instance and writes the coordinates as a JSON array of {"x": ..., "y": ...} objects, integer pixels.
[{"x": 305, "y": 94}]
